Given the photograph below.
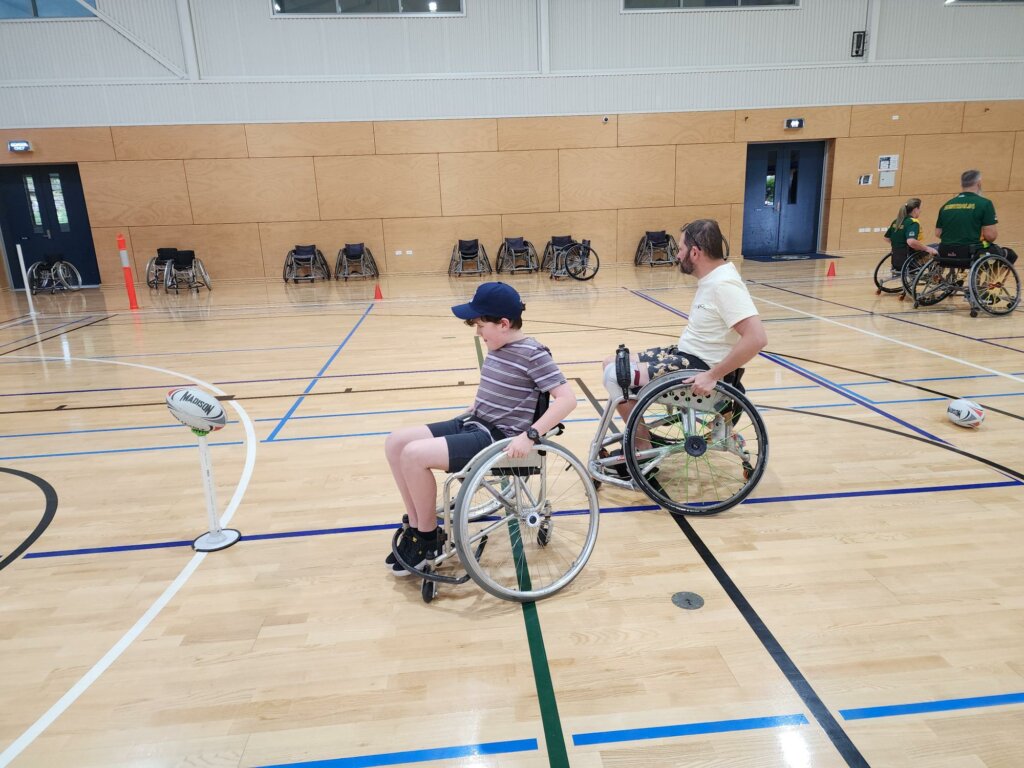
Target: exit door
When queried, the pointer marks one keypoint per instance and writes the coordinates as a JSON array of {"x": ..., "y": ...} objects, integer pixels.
[
  {"x": 42, "y": 209},
  {"x": 782, "y": 198}
]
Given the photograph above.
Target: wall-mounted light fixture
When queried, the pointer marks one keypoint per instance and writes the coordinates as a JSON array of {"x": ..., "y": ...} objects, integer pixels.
[
  {"x": 792, "y": 123},
  {"x": 19, "y": 145}
]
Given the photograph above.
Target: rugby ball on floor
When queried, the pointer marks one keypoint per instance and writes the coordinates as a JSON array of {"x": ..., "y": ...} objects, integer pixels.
[
  {"x": 196, "y": 408},
  {"x": 965, "y": 413}
]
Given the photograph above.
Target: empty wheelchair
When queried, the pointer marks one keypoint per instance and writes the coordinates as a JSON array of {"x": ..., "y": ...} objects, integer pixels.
[
  {"x": 985, "y": 278},
  {"x": 656, "y": 249},
  {"x": 553, "y": 258},
  {"x": 469, "y": 257},
  {"x": 517, "y": 255},
  {"x": 897, "y": 271},
  {"x": 185, "y": 270},
  {"x": 53, "y": 274},
  {"x": 566, "y": 257},
  {"x": 305, "y": 262},
  {"x": 355, "y": 260},
  {"x": 522, "y": 529},
  {"x": 157, "y": 267},
  {"x": 691, "y": 454}
]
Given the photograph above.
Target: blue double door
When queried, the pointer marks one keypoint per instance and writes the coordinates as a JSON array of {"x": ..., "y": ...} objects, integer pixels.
[
  {"x": 782, "y": 201},
  {"x": 42, "y": 209}
]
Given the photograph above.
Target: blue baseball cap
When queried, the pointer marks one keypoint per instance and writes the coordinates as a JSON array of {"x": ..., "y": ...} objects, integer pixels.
[{"x": 492, "y": 300}]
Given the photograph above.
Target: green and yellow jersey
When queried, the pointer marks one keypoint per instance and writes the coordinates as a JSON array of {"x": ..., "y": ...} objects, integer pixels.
[
  {"x": 899, "y": 232},
  {"x": 962, "y": 218}
]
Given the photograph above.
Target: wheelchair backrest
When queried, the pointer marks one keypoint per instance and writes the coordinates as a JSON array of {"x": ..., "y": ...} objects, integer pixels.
[
  {"x": 657, "y": 239},
  {"x": 353, "y": 250},
  {"x": 304, "y": 251},
  {"x": 164, "y": 255},
  {"x": 184, "y": 259},
  {"x": 515, "y": 243},
  {"x": 562, "y": 241},
  {"x": 469, "y": 248},
  {"x": 951, "y": 255}
]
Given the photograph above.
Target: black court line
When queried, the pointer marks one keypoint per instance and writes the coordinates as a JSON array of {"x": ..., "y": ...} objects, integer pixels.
[
  {"x": 49, "y": 512},
  {"x": 56, "y": 335}
]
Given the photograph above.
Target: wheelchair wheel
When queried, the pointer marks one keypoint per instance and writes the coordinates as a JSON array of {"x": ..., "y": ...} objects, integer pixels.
[
  {"x": 912, "y": 269},
  {"x": 67, "y": 275},
  {"x": 694, "y": 455},
  {"x": 152, "y": 280},
  {"x": 540, "y": 536},
  {"x": 934, "y": 283},
  {"x": 35, "y": 278},
  {"x": 887, "y": 277},
  {"x": 203, "y": 275},
  {"x": 995, "y": 287},
  {"x": 582, "y": 262}
]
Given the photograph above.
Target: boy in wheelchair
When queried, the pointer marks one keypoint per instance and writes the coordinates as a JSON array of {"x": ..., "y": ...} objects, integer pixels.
[{"x": 516, "y": 371}]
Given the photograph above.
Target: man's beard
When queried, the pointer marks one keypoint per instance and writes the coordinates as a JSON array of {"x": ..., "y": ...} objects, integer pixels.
[{"x": 686, "y": 265}]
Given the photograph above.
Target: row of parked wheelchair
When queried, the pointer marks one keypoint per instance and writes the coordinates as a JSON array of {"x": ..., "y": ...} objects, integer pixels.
[
  {"x": 174, "y": 269},
  {"x": 306, "y": 263},
  {"x": 984, "y": 276}
]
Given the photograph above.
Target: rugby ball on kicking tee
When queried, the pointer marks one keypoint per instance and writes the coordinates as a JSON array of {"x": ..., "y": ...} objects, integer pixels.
[
  {"x": 196, "y": 408},
  {"x": 965, "y": 413}
]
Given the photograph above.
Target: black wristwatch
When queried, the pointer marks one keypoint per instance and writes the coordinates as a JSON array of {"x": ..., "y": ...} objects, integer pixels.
[{"x": 533, "y": 434}]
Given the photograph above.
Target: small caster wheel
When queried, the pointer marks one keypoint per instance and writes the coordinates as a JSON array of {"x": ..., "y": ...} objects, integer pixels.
[
  {"x": 544, "y": 533},
  {"x": 916, "y": 305},
  {"x": 974, "y": 313},
  {"x": 878, "y": 292},
  {"x": 428, "y": 590}
]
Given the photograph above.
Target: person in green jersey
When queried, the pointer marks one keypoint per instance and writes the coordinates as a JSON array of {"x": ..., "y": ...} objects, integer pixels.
[
  {"x": 970, "y": 220},
  {"x": 904, "y": 233}
]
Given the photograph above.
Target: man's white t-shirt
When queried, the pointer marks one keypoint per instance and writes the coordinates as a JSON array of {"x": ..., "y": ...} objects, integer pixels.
[{"x": 722, "y": 300}]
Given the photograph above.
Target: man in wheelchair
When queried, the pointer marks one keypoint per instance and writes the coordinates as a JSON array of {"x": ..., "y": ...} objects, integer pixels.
[
  {"x": 516, "y": 371},
  {"x": 966, "y": 225}
]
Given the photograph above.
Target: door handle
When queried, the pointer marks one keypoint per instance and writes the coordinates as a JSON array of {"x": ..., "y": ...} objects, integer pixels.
[{"x": 48, "y": 237}]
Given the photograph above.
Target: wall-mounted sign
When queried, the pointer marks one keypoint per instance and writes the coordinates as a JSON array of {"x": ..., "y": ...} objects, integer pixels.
[
  {"x": 888, "y": 162},
  {"x": 19, "y": 145},
  {"x": 865, "y": 180}
]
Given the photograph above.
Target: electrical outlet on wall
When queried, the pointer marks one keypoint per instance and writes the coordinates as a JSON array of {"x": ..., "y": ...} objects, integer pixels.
[
  {"x": 408, "y": 253},
  {"x": 398, "y": 253}
]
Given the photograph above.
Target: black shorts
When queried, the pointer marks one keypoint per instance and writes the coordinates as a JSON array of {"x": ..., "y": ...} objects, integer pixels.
[
  {"x": 464, "y": 441},
  {"x": 662, "y": 360}
]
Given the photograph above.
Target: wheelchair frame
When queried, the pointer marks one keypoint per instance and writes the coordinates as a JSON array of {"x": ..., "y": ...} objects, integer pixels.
[
  {"x": 671, "y": 440},
  {"x": 53, "y": 274},
  {"x": 986, "y": 285}
]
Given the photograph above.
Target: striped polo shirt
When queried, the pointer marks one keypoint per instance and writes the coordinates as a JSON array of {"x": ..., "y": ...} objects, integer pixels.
[{"x": 510, "y": 381}]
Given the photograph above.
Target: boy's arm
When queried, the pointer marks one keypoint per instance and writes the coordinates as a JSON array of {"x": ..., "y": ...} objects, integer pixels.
[{"x": 563, "y": 402}]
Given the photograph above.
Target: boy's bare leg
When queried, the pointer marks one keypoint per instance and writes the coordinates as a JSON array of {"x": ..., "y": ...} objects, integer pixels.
[
  {"x": 418, "y": 458},
  {"x": 393, "y": 447}
]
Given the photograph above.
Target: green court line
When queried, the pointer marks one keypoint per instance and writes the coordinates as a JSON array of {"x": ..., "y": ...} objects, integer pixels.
[{"x": 558, "y": 756}]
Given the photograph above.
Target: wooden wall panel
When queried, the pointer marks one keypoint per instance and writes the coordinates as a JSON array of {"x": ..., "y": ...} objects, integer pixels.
[
  {"x": 634, "y": 222},
  {"x": 598, "y": 227},
  {"x": 309, "y": 139},
  {"x": 1010, "y": 212},
  {"x": 277, "y": 239},
  {"x": 557, "y": 132},
  {"x": 993, "y": 116},
  {"x": 378, "y": 187},
  {"x": 934, "y": 163},
  {"x": 263, "y": 189},
  {"x": 108, "y": 258},
  {"x": 58, "y": 145},
  {"x": 1017, "y": 170},
  {"x": 476, "y": 183},
  {"x": 854, "y": 157},
  {"x": 408, "y": 137},
  {"x": 736, "y": 232},
  {"x": 137, "y": 193},
  {"x": 904, "y": 119},
  {"x": 677, "y": 128},
  {"x": 229, "y": 251},
  {"x": 623, "y": 177},
  {"x": 170, "y": 142},
  {"x": 866, "y": 219},
  {"x": 833, "y": 227},
  {"x": 710, "y": 173},
  {"x": 431, "y": 241},
  {"x": 767, "y": 124}
]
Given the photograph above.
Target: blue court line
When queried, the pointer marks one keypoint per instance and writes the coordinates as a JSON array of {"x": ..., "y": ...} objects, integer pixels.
[
  {"x": 113, "y": 450},
  {"x": 686, "y": 729},
  {"x": 418, "y": 755},
  {"x": 604, "y": 511},
  {"x": 940, "y": 705},
  {"x": 323, "y": 369},
  {"x": 48, "y": 330}
]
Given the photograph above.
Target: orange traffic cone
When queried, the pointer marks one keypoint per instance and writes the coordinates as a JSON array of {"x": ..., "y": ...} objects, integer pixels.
[
  {"x": 831, "y": 269},
  {"x": 377, "y": 295}
]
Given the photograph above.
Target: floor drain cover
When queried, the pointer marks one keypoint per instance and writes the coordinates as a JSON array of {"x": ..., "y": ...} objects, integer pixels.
[{"x": 691, "y": 601}]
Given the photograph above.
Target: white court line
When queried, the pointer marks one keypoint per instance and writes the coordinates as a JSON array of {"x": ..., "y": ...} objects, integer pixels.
[
  {"x": 927, "y": 351},
  {"x": 101, "y": 666}
]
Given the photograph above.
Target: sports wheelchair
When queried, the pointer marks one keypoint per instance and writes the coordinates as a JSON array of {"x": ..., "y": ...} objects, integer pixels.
[
  {"x": 523, "y": 529},
  {"x": 355, "y": 260},
  {"x": 897, "y": 271},
  {"x": 516, "y": 254},
  {"x": 53, "y": 274},
  {"x": 563, "y": 256},
  {"x": 985, "y": 277},
  {"x": 156, "y": 269},
  {"x": 656, "y": 249},
  {"x": 469, "y": 257},
  {"x": 186, "y": 270},
  {"x": 305, "y": 262}
]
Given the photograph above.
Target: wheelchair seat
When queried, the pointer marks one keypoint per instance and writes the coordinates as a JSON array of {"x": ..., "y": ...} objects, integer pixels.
[
  {"x": 656, "y": 249},
  {"x": 516, "y": 254},
  {"x": 469, "y": 257},
  {"x": 305, "y": 262},
  {"x": 959, "y": 256},
  {"x": 185, "y": 270},
  {"x": 355, "y": 260}
]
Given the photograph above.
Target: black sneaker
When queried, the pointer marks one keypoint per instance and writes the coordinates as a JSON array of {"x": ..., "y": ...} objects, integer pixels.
[
  {"x": 415, "y": 551},
  {"x": 390, "y": 560}
]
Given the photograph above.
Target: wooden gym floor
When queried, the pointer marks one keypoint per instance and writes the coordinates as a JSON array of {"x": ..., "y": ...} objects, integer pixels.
[{"x": 864, "y": 607}]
